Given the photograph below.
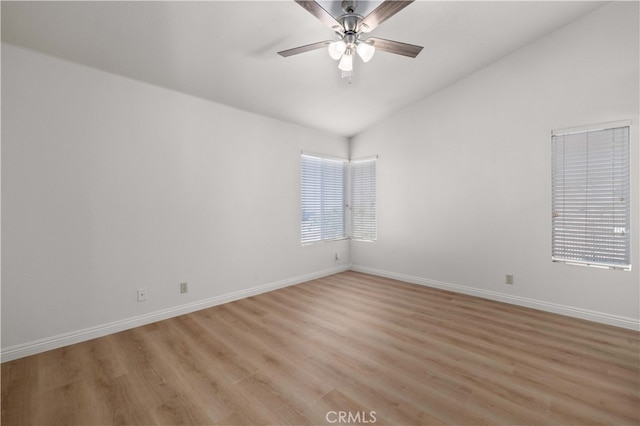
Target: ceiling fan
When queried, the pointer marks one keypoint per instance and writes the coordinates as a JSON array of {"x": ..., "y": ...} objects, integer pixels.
[{"x": 350, "y": 27}]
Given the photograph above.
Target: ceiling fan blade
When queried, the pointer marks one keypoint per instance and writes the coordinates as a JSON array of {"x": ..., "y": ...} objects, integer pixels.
[
  {"x": 302, "y": 49},
  {"x": 381, "y": 13},
  {"x": 316, "y": 10},
  {"x": 396, "y": 47}
]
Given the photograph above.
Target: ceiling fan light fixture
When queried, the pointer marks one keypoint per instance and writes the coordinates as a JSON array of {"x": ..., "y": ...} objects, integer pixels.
[
  {"x": 365, "y": 51},
  {"x": 346, "y": 62},
  {"x": 336, "y": 49},
  {"x": 349, "y": 26}
]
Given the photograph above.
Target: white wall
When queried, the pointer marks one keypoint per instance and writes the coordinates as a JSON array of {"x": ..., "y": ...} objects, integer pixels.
[
  {"x": 464, "y": 176},
  {"x": 110, "y": 185}
]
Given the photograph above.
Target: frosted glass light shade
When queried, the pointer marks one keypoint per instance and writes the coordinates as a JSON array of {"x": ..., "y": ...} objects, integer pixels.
[
  {"x": 365, "y": 51},
  {"x": 346, "y": 63},
  {"x": 336, "y": 49}
]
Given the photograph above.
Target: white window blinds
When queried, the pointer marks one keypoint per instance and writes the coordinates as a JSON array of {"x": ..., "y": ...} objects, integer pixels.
[
  {"x": 323, "y": 198},
  {"x": 363, "y": 199},
  {"x": 590, "y": 197}
]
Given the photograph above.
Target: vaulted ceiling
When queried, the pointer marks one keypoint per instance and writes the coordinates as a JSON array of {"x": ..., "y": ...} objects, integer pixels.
[{"x": 225, "y": 51}]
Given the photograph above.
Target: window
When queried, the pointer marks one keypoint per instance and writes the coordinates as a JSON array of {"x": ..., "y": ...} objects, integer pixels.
[
  {"x": 590, "y": 196},
  {"x": 324, "y": 199},
  {"x": 363, "y": 199}
]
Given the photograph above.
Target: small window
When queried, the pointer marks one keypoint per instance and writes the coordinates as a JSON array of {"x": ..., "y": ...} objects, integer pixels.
[
  {"x": 323, "y": 198},
  {"x": 590, "y": 180},
  {"x": 363, "y": 199}
]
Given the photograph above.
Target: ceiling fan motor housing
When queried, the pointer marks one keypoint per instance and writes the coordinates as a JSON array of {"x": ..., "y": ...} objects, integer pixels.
[{"x": 349, "y": 22}]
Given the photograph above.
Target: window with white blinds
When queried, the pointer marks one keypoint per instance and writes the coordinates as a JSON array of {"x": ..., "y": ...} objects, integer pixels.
[
  {"x": 363, "y": 199},
  {"x": 323, "y": 198},
  {"x": 591, "y": 215}
]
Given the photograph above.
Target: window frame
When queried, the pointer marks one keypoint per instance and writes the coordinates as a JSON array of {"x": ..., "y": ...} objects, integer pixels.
[
  {"x": 372, "y": 193},
  {"x": 324, "y": 234},
  {"x": 578, "y": 188},
  {"x": 317, "y": 210}
]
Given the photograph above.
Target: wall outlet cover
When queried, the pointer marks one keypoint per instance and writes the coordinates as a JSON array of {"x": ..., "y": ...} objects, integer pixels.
[{"x": 142, "y": 294}]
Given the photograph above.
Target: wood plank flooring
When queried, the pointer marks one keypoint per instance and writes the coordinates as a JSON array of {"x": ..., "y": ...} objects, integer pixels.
[{"x": 349, "y": 348}]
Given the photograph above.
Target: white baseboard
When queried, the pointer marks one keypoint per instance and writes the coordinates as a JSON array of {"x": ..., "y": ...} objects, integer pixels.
[
  {"x": 42, "y": 345},
  {"x": 555, "y": 308}
]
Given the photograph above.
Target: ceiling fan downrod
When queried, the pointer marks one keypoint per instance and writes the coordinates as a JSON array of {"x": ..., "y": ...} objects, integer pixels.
[{"x": 349, "y": 6}]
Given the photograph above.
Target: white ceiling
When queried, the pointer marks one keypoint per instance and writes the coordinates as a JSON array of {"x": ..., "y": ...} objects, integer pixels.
[{"x": 225, "y": 51}]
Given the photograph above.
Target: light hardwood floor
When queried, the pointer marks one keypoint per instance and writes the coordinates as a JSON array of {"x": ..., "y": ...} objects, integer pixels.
[{"x": 377, "y": 350}]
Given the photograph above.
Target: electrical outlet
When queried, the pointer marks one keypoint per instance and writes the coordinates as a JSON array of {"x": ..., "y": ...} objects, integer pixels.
[
  {"x": 184, "y": 287},
  {"x": 142, "y": 294},
  {"x": 337, "y": 256},
  {"x": 508, "y": 279}
]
